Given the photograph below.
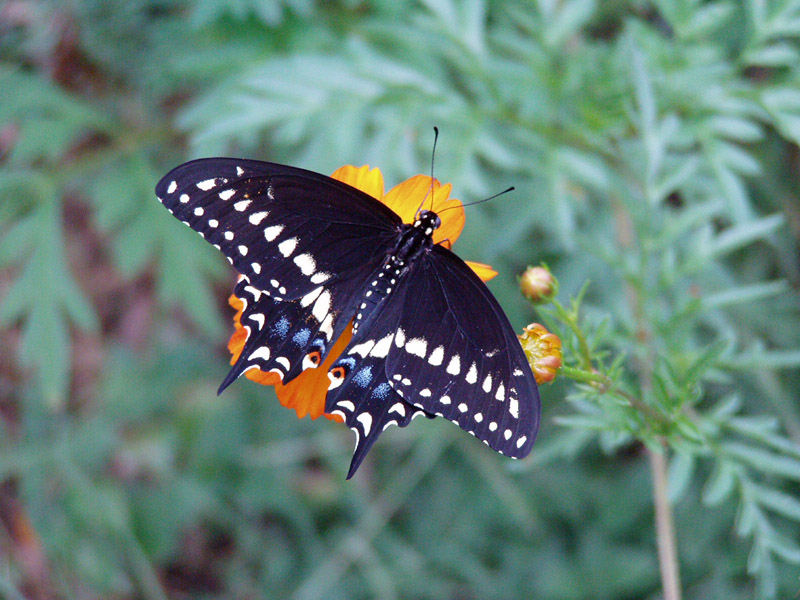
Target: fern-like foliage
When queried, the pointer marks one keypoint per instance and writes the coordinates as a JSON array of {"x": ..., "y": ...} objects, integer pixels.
[{"x": 653, "y": 147}]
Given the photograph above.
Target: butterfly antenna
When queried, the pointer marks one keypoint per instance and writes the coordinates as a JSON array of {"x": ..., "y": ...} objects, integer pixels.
[
  {"x": 511, "y": 189},
  {"x": 433, "y": 156}
]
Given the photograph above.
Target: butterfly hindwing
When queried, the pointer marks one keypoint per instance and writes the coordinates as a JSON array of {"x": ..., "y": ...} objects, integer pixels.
[
  {"x": 445, "y": 347},
  {"x": 368, "y": 404}
]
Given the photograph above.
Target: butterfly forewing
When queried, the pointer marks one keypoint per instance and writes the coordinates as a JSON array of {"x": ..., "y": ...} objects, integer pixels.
[{"x": 287, "y": 230}]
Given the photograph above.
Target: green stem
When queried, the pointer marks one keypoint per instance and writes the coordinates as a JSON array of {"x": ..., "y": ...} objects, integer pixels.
[
  {"x": 605, "y": 385},
  {"x": 665, "y": 528}
]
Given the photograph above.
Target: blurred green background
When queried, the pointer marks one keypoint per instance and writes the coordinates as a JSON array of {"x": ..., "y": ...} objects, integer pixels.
[{"x": 654, "y": 150}]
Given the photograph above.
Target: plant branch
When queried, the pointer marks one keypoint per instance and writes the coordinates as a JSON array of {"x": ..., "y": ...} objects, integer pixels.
[{"x": 665, "y": 528}]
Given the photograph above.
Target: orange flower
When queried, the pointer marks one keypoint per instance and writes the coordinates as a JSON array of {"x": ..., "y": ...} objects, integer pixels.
[
  {"x": 543, "y": 351},
  {"x": 306, "y": 393}
]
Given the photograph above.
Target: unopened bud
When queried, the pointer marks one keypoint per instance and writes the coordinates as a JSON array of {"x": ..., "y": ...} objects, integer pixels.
[
  {"x": 543, "y": 351},
  {"x": 538, "y": 285}
]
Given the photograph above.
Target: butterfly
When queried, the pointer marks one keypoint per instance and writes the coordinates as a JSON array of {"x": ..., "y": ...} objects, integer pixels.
[{"x": 316, "y": 256}]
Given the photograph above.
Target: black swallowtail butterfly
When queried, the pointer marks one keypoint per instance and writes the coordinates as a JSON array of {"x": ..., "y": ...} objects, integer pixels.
[{"x": 315, "y": 254}]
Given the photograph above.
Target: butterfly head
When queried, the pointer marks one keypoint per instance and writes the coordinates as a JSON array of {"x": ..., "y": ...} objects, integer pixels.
[{"x": 428, "y": 221}]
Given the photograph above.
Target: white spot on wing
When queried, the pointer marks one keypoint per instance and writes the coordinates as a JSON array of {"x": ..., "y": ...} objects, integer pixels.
[
  {"x": 243, "y": 250},
  {"x": 322, "y": 306},
  {"x": 262, "y": 353},
  {"x": 507, "y": 434},
  {"x": 284, "y": 362},
  {"x": 309, "y": 298},
  {"x": 207, "y": 184},
  {"x": 472, "y": 374},
  {"x": 272, "y": 232},
  {"x": 501, "y": 392},
  {"x": 320, "y": 277},
  {"x": 521, "y": 441},
  {"x": 513, "y": 407},
  {"x": 462, "y": 407},
  {"x": 239, "y": 171},
  {"x": 184, "y": 198},
  {"x": 454, "y": 366},
  {"x": 366, "y": 422},
  {"x": 381, "y": 349},
  {"x": 478, "y": 417},
  {"x": 172, "y": 187},
  {"x": 445, "y": 400},
  {"x": 399, "y": 408},
  {"x": 492, "y": 426},
  {"x": 199, "y": 211},
  {"x": 213, "y": 223},
  {"x": 400, "y": 338},
  {"x": 437, "y": 356},
  {"x": 347, "y": 405},
  {"x": 362, "y": 349},
  {"x": 286, "y": 247},
  {"x": 242, "y": 205},
  {"x": 229, "y": 235},
  {"x": 487, "y": 384},
  {"x": 258, "y": 318},
  {"x": 257, "y": 217},
  {"x": 417, "y": 347},
  {"x": 256, "y": 268},
  {"x": 327, "y": 326},
  {"x": 306, "y": 263},
  {"x": 425, "y": 393},
  {"x": 227, "y": 194}
]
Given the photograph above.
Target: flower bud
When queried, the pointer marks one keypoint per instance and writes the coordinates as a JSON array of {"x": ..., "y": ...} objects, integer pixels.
[
  {"x": 538, "y": 285},
  {"x": 543, "y": 351}
]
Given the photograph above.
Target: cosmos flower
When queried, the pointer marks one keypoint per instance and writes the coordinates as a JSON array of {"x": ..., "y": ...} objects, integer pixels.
[
  {"x": 306, "y": 393},
  {"x": 543, "y": 351}
]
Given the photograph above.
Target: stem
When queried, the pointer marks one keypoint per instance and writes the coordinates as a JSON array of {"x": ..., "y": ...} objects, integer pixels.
[{"x": 665, "y": 529}]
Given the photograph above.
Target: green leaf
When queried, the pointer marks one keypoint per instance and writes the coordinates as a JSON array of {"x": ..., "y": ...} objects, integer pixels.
[
  {"x": 681, "y": 469},
  {"x": 763, "y": 359},
  {"x": 745, "y": 293},
  {"x": 775, "y": 55},
  {"x": 743, "y": 234},
  {"x": 45, "y": 297},
  {"x": 720, "y": 485},
  {"x": 764, "y": 461},
  {"x": 780, "y": 502}
]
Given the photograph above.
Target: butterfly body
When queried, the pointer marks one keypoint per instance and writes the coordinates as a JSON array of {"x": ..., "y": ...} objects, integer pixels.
[{"x": 317, "y": 256}]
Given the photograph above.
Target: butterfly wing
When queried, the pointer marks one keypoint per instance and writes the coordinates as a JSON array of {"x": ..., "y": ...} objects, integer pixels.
[
  {"x": 304, "y": 244},
  {"x": 286, "y": 229},
  {"x": 444, "y": 347}
]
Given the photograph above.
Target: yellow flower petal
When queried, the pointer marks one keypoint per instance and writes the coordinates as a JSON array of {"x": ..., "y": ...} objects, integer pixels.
[
  {"x": 415, "y": 193},
  {"x": 485, "y": 272},
  {"x": 363, "y": 178}
]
